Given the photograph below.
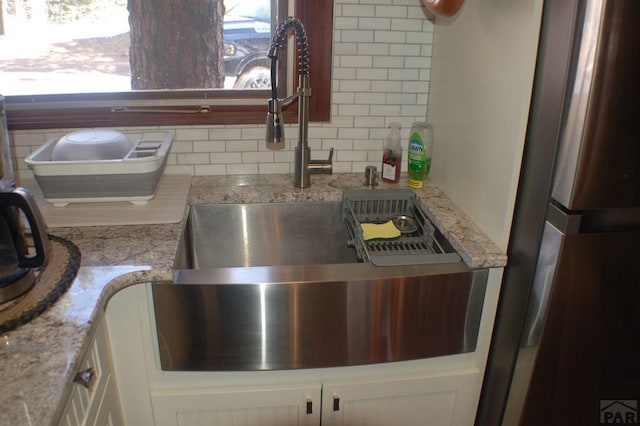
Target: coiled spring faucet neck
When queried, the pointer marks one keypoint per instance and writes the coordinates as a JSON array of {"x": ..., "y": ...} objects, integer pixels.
[
  {"x": 275, "y": 123},
  {"x": 301, "y": 39}
]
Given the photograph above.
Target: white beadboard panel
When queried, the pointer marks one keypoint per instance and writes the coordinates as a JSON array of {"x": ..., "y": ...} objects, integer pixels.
[
  {"x": 381, "y": 71},
  {"x": 251, "y": 407}
]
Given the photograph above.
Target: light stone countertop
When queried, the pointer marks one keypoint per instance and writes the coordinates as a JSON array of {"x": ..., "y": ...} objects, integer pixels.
[{"x": 38, "y": 360}]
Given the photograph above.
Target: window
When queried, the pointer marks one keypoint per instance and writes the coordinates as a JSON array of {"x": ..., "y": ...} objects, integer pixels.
[{"x": 243, "y": 101}]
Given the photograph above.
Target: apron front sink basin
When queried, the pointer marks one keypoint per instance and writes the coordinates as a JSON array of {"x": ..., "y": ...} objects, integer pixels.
[{"x": 266, "y": 234}]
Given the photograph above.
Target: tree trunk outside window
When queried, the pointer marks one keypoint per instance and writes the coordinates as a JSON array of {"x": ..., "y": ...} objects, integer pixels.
[{"x": 176, "y": 44}]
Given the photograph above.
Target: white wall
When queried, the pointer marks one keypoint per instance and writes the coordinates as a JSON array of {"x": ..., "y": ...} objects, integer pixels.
[
  {"x": 481, "y": 79},
  {"x": 381, "y": 65}
]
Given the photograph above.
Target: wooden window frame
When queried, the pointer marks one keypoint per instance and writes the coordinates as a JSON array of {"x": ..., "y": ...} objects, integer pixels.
[{"x": 62, "y": 111}]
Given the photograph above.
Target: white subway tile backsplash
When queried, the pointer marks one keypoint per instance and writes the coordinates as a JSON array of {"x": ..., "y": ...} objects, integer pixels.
[
  {"x": 345, "y": 23},
  {"x": 242, "y": 169},
  {"x": 354, "y": 110},
  {"x": 367, "y": 122},
  {"x": 225, "y": 157},
  {"x": 390, "y": 36},
  {"x": 415, "y": 86},
  {"x": 372, "y": 74},
  {"x": 374, "y": 23},
  {"x": 386, "y": 86},
  {"x": 392, "y": 11},
  {"x": 192, "y": 134},
  {"x": 351, "y": 156},
  {"x": 381, "y": 69},
  {"x": 404, "y": 74},
  {"x": 340, "y": 74},
  {"x": 323, "y": 132},
  {"x": 253, "y": 132},
  {"x": 404, "y": 49},
  {"x": 355, "y": 85},
  {"x": 353, "y": 133},
  {"x": 242, "y": 145},
  {"x": 374, "y": 49},
  {"x": 417, "y": 111},
  {"x": 402, "y": 99},
  {"x": 343, "y": 98},
  {"x": 182, "y": 146},
  {"x": 273, "y": 168},
  {"x": 359, "y": 62},
  {"x": 370, "y": 98},
  {"x": 385, "y": 110},
  {"x": 418, "y": 37},
  {"x": 358, "y": 10},
  {"x": 418, "y": 62},
  {"x": 388, "y": 62},
  {"x": 193, "y": 158},
  {"x": 207, "y": 146},
  {"x": 209, "y": 169},
  {"x": 257, "y": 157},
  {"x": 400, "y": 24},
  {"x": 357, "y": 36}
]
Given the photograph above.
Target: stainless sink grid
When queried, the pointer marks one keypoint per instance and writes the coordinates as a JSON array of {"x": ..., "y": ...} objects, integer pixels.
[{"x": 420, "y": 246}]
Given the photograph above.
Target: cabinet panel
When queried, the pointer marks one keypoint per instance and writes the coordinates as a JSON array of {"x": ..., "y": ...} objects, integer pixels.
[
  {"x": 434, "y": 401},
  {"x": 87, "y": 404},
  {"x": 251, "y": 407}
]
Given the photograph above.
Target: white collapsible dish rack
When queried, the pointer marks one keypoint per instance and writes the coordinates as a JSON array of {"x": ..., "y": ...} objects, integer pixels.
[{"x": 133, "y": 178}]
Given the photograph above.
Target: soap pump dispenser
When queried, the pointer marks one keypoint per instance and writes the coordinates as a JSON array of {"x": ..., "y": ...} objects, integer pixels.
[{"x": 392, "y": 155}]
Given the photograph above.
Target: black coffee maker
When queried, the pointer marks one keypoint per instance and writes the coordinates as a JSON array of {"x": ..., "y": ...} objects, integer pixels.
[{"x": 17, "y": 260}]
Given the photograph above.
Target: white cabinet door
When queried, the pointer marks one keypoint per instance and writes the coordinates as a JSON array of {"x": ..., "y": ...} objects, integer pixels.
[
  {"x": 275, "y": 406},
  {"x": 434, "y": 401},
  {"x": 92, "y": 403}
]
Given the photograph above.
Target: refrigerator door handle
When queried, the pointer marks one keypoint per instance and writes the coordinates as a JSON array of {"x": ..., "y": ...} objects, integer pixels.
[
  {"x": 542, "y": 284},
  {"x": 572, "y": 135}
]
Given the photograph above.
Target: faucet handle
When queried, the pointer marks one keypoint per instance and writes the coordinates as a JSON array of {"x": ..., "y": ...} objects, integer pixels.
[
  {"x": 322, "y": 166},
  {"x": 330, "y": 160}
]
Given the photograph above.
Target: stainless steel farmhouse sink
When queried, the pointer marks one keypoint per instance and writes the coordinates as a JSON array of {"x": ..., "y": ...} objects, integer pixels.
[
  {"x": 267, "y": 234},
  {"x": 295, "y": 285}
]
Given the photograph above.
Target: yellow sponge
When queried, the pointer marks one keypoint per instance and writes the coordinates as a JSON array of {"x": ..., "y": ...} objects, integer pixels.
[{"x": 379, "y": 230}]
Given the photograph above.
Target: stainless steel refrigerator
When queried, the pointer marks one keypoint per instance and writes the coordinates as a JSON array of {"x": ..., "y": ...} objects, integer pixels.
[{"x": 566, "y": 343}]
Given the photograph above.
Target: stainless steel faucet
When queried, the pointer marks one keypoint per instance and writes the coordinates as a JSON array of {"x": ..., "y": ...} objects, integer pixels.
[{"x": 304, "y": 166}]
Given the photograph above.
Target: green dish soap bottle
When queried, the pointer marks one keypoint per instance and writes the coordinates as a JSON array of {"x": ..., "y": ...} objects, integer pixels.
[{"x": 419, "y": 155}]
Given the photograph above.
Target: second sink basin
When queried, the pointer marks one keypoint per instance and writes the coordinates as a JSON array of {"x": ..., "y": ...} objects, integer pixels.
[{"x": 267, "y": 234}]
